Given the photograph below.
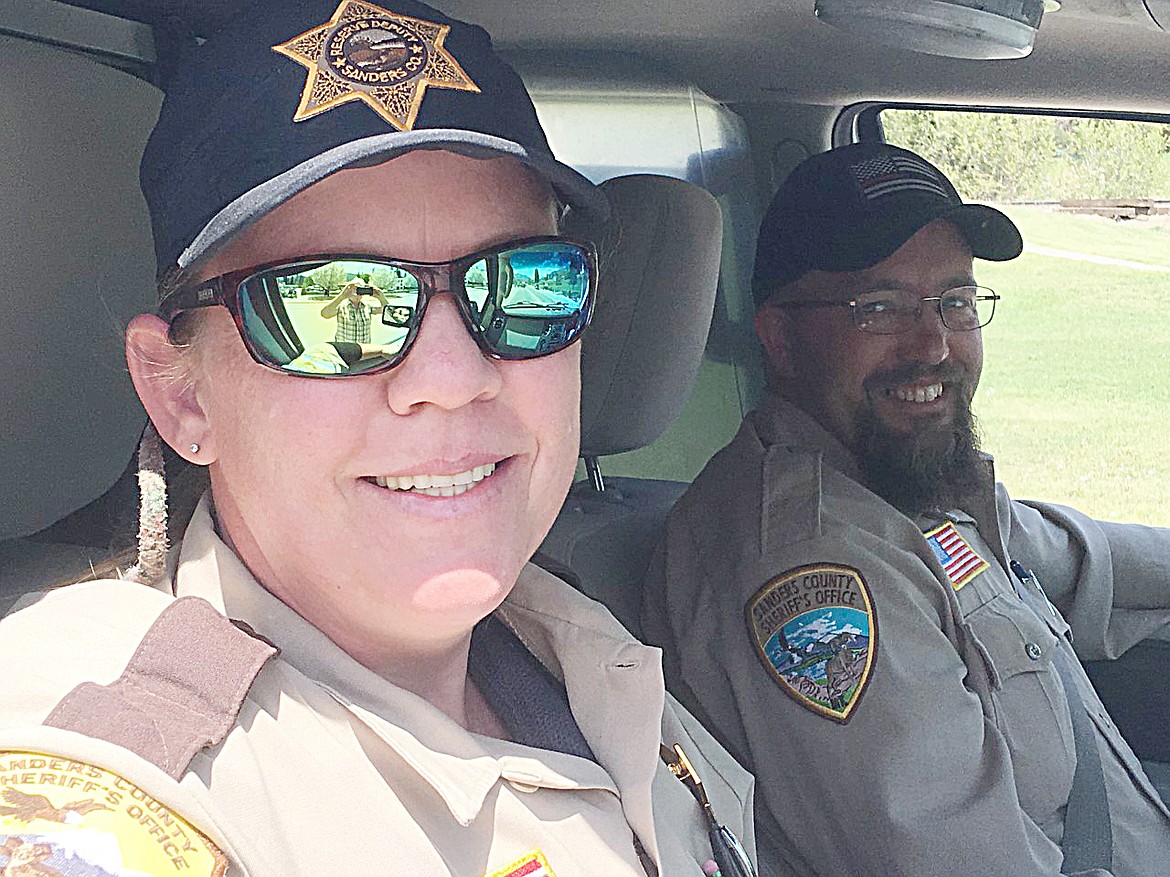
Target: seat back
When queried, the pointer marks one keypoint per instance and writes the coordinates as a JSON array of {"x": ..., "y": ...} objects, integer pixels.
[
  {"x": 659, "y": 262},
  {"x": 77, "y": 263}
]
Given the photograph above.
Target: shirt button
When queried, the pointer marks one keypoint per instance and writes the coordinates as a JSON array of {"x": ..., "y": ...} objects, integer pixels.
[{"x": 1033, "y": 651}]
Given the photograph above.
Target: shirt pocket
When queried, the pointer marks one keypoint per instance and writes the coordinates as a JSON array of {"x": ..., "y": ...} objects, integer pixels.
[{"x": 1028, "y": 703}]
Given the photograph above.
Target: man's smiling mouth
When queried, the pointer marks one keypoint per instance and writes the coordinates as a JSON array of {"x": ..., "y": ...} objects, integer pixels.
[
  {"x": 915, "y": 394},
  {"x": 437, "y": 485}
]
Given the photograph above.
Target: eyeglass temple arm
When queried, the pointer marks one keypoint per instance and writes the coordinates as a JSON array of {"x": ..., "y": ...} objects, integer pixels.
[
  {"x": 816, "y": 303},
  {"x": 188, "y": 298}
]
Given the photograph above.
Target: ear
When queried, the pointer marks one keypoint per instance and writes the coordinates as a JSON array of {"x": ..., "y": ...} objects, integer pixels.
[
  {"x": 163, "y": 377},
  {"x": 773, "y": 329}
]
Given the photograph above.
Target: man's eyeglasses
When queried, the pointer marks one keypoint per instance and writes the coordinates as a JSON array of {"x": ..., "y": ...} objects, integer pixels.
[
  {"x": 519, "y": 300},
  {"x": 891, "y": 311}
]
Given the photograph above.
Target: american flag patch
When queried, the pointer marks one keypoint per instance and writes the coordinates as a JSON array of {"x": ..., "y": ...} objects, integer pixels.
[
  {"x": 888, "y": 174},
  {"x": 959, "y": 560},
  {"x": 532, "y": 864}
]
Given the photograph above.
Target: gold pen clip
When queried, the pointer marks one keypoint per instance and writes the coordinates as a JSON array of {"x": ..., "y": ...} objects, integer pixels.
[
  {"x": 728, "y": 856},
  {"x": 679, "y": 765}
]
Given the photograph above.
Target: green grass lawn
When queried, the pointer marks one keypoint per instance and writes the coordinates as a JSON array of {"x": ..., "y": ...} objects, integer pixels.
[{"x": 1075, "y": 397}]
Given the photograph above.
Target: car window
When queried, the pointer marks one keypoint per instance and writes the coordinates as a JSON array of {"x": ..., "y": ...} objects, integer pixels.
[
  {"x": 1076, "y": 381},
  {"x": 676, "y": 131}
]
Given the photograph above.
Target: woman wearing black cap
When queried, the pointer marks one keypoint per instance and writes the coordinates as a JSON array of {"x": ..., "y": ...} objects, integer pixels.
[{"x": 348, "y": 666}]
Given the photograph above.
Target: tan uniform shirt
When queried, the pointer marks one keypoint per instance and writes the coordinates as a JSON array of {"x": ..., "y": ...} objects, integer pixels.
[
  {"x": 957, "y": 756},
  {"x": 330, "y": 770}
]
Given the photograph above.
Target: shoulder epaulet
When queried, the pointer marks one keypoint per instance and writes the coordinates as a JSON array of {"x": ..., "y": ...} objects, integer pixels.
[{"x": 180, "y": 692}]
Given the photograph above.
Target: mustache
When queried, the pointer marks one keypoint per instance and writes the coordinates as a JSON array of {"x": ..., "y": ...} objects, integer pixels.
[{"x": 943, "y": 373}]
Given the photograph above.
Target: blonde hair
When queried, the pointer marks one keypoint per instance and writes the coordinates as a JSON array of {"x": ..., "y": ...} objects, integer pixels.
[{"x": 169, "y": 487}]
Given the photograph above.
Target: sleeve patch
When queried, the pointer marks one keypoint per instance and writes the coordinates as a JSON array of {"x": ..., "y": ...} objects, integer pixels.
[
  {"x": 815, "y": 630},
  {"x": 959, "y": 560},
  {"x": 59, "y": 816}
]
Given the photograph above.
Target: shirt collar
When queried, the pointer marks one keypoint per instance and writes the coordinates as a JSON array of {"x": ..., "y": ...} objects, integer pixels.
[
  {"x": 607, "y": 674},
  {"x": 778, "y": 421},
  {"x": 605, "y": 670}
]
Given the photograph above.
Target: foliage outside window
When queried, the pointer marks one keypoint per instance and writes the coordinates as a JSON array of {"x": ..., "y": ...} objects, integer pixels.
[{"x": 1013, "y": 157}]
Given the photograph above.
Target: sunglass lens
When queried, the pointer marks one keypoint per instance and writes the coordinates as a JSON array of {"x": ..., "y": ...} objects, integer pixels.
[
  {"x": 531, "y": 300},
  {"x": 340, "y": 317}
]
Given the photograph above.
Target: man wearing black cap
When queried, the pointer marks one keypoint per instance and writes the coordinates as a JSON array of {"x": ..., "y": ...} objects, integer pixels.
[
  {"x": 855, "y": 606},
  {"x": 349, "y": 666}
]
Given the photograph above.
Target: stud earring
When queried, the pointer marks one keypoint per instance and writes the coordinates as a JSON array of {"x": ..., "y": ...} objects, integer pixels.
[{"x": 194, "y": 447}]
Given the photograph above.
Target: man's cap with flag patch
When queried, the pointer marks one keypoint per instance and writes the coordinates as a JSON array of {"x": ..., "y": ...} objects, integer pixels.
[
  {"x": 284, "y": 94},
  {"x": 851, "y": 207}
]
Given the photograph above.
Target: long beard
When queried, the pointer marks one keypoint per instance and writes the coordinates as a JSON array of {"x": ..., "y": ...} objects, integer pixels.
[{"x": 929, "y": 470}]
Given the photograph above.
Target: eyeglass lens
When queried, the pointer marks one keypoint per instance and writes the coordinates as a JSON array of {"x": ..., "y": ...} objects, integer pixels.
[
  {"x": 349, "y": 316},
  {"x": 888, "y": 312}
]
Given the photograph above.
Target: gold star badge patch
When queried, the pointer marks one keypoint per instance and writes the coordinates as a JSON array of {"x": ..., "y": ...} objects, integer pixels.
[{"x": 378, "y": 57}]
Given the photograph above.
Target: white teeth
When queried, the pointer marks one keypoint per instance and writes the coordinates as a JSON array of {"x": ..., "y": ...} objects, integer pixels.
[
  {"x": 437, "y": 485},
  {"x": 918, "y": 394}
]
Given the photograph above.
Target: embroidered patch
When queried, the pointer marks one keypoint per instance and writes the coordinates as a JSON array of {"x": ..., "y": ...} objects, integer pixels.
[
  {"x": 60, "y": 817},
  {"x": 378, "y": 57},
  {"x": 815, "y": 629},
  {"x": 959, "y": 560},
  {"x": 532, "y": 864}
]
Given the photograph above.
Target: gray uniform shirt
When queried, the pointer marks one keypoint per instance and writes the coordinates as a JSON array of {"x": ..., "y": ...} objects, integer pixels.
[{"x": 937, "y": 737}]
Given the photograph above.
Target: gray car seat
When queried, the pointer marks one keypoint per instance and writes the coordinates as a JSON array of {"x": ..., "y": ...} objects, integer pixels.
[
  {"x": 659, "y": 259},
  {"x": 76, "y": 257}
]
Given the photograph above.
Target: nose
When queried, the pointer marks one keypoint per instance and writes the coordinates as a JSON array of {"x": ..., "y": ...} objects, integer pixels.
[
  {"x": 928, "y": 341},
  {"x": 444, "y": 367}
]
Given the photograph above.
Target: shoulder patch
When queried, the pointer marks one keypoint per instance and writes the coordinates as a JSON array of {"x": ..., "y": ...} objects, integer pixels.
[
  {"x": 59, "y": 816},
  {"x": 815, "y": 630},
  {"x": 532, "y": 864},
  {"x": 959, "y": 560}
]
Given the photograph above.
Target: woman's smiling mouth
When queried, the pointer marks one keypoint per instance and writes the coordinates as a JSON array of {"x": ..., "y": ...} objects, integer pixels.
[{"x": 437, "y": 485}]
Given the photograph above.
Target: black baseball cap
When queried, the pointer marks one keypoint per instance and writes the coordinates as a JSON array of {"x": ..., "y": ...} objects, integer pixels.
[
  {"x": 851, "y": 207},
  {"x": 284, "y": 94}
]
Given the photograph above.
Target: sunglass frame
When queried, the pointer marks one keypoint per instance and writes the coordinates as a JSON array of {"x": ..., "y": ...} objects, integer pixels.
[{"x": 227, "y": 289}]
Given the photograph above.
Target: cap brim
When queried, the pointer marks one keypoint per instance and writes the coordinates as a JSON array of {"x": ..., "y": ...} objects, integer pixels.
[
  {"x": 990, "y": 234},
  {"x": 570, "y": 186}
]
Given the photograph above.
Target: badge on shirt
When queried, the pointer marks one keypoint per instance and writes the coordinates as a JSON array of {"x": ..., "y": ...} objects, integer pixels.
[
  {"x": 370, "y": 54},
  {"x": 532, "y": 864},
  {"x": 815, "y": 630},
  {"x": 59, "y": 817},
  {"x": 959, "y": 560}
]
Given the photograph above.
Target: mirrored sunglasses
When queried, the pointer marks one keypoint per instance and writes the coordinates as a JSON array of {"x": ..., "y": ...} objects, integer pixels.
[{"x": 345, "y": 315}]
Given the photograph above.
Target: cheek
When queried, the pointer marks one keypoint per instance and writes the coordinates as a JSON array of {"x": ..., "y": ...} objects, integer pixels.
[
  {"x": 863, "y": 355},
  {"x": 264, "y": 424},
  {"x": 546, "y": 395},
  {"x": 967, "y": 349},
  {"x": 836, "y": 363}
]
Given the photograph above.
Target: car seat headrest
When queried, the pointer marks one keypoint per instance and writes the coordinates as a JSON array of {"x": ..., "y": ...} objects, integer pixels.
[
  {"x": 659, "y": 268},
  {"x": 76, "y": 263}
]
